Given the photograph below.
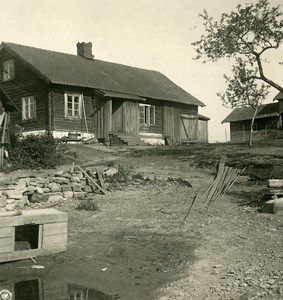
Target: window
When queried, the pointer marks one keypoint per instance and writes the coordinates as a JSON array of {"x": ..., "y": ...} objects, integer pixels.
[
  {"x": 147, "y": 114},
  {"x": 8, "y": 70},
  {"x": 28, "y": 108},
  {"x": 73, "y": 106}
]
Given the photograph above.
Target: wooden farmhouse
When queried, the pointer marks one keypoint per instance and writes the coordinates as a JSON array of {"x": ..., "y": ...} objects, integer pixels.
[
  {"x": 268, "y": 122},
  {"x": 77, "y": 95}
]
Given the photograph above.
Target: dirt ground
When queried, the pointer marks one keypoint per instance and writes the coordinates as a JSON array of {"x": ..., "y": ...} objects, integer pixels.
[{"x": 133, "y": 245}]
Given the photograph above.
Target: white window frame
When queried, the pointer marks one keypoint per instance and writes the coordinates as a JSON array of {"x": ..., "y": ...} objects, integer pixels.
[
  {"x": 70, "y": 112},
  {"x": 148, "y": 121},
  {"x": 8, "y": 70},
  {"x": 28, "y": 108}
]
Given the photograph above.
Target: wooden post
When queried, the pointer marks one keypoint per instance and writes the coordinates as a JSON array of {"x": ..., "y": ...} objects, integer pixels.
[{"x": 107, "y": 119}]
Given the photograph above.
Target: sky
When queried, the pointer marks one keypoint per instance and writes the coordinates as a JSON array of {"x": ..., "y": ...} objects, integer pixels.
[{"x": 151, "y": 34}]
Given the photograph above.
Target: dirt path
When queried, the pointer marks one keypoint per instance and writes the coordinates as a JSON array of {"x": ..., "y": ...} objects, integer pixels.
[{"x": 133, "y": 245}]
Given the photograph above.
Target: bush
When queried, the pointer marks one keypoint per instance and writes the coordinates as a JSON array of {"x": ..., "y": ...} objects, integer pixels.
[{"x": 36, "y": 151}]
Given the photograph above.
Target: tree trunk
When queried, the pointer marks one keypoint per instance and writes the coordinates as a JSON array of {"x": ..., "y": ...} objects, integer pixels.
[{"x": 251, "y": 129}]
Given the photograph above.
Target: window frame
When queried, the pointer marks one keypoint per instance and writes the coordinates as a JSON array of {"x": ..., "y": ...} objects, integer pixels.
[
  {"x": 8, "y": 71},
  {"x": 66, "y": 108},
  {"x": 148, "y": 114},
  {"x": 27, "y": 114}
]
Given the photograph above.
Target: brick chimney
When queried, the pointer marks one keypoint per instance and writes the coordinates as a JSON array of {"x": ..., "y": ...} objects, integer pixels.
[{"x": 85, "y": 50}]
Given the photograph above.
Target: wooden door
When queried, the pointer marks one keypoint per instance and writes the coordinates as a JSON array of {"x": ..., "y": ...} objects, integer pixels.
[{"x": 189, "y": 128}]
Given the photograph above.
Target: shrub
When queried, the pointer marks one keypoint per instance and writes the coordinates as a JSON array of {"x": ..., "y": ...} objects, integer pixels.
[{"x": 36, "y": 151}]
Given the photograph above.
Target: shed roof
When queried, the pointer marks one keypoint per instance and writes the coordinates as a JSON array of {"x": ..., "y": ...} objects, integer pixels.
[
  {"x": 278, "y": 96},
  {"x": 73, "y": 70},
  {"x": 246, "y": 113},
  {"x": 202, "y": 117}
]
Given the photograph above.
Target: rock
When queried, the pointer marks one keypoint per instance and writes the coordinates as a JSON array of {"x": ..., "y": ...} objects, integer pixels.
[
  {"x": 273, "y": 206},
  {"x": 33, "y": 183},
  {"x": 75, "y": 179},
  {"x": 14, "y": 194},
  {"x": 21, "y": 184},
  {"x": 111, "y": 171},
  {"x": 20, "y": 204},
  {"x": 25, "y": 200},
  {"x": 79, "y": 194},
  {"x": 54, "y": 187},
  {"x": 66, "y": 187},
  {"x": 58, "y": 173},
  {"x": 38, "y": 198},
  {"x": 46, "y": 190},
  {"x": 88, "y": 189},
  {"x": 55, "y": 198},
  {"x": 39, "y": 190},
  {"x": 68, "y": 194},
  {"x": 10, "y": 201},
  {"x": 10, "y": 207},
  {"x": 76, "y": 187},
  {"x": 41, "y": 180},
  {"x": 3, "y": 200},
  {"x": 61, "y": 180},
  {"x": 67, "y": 175}
]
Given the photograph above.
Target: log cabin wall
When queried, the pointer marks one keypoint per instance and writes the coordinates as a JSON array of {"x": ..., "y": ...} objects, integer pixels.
[
  {"x": 62, "y": 123},
  {"x": 25, "y": 83},
  {"x": 157, "y": 127},
  {"x": 98, "y": 119}
]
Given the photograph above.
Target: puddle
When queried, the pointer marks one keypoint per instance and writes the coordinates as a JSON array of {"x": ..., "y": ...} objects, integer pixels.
[{"x": 39, "y": 289}]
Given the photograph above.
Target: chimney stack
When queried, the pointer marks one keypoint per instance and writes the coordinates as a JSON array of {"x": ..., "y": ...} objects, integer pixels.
[{"x": 84, "y": 50}]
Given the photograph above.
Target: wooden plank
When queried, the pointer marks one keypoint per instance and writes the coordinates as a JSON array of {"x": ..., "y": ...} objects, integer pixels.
[
  {"x": 91, "y": 180},
  {"x": 37, "y": 216},
  {"x": 6, "y": 231},
  {"x": 40, "y": 236},
  {"x": 59, "y": 239},
  {"x": 100, "y": 177},
  {"x": 25, "y": 254},
  {"x": 55, "y": 228},
  {"x": 6, "y": 244}
]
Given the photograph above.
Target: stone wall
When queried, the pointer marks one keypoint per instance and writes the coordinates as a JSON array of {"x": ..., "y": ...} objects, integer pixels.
[{"x": 52, "y": 188}]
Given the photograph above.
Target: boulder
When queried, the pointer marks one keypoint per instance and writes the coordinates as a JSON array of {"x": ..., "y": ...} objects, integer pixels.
[
  {"x": 14, "y": 194},
  {"x": 10, "y": 207},
  {"x": 46, "y": 190},
  {"x": 54, "y": 187},
  {"x": 10, "y": 201},
  {"x": 88, "y": 189},
  {"x": 111, "y": 171},
  {"x": 38, "y": 198},
  {"x": 41, "y": 180},
  {"x": 79, "y": 194},
  {"x": 61, "y": 180},
  {"x": 76, "y": 187},
  {"x": 75, "y": 179},
  {"x": 39, "y": 190},
  {"x": 20, "y": 204},
  {"x": 55, "y": 198},
  {"x": 66, "y": 187},
  {"x": 3, "y": 200},
  {"x": 273, "y": 206},
  {"x": 68, "y": 194}
]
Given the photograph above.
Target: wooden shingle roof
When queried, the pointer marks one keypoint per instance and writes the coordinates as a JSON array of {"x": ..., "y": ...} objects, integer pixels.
[
  {"x": 73, "y": 70},
  {"x": 246, "y": 113}
]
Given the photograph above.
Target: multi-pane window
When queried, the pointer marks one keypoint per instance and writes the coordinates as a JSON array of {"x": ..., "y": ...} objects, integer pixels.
[
  {"x": 28, "y": 108},
  {"x": 73, "y": 105},
  {"x": 8, "y": 70},
  {"x": 147, "y": 114}
]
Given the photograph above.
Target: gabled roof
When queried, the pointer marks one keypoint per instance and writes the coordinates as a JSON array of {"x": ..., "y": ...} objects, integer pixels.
[
  {"x": 73, "y": 70},
  {"x": 246, "y": 113}
]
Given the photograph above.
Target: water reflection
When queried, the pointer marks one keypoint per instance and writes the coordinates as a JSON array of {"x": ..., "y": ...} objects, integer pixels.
[{"x": 37, "y": 289}]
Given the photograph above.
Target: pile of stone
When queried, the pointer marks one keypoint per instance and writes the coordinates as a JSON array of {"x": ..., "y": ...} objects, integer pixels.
[
  {"x": 52, "y": 188},
  {"x": 275, "y": 192}
]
